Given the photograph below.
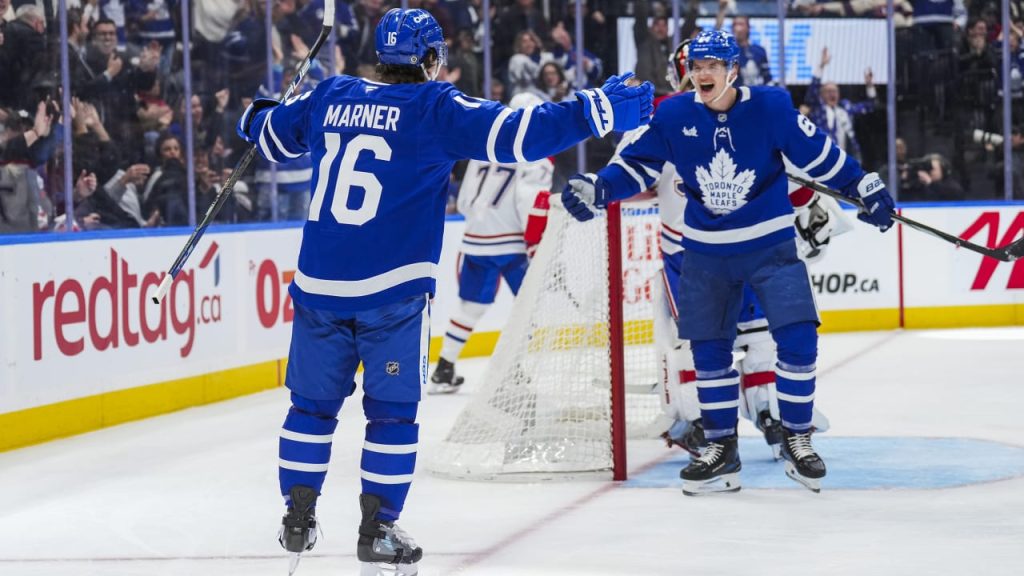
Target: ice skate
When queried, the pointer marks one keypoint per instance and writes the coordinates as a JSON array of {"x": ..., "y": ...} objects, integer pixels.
[
  {"x": 687, "y": 435},
  {"x": 298, "y": 526},
  {"x": 772, "y": 430},
  {"x": 384, "y": 548},
  {"x": 444, "y": 379},
  {"x": 802, "y": 463},
  {"x": 716, "y": 470}
]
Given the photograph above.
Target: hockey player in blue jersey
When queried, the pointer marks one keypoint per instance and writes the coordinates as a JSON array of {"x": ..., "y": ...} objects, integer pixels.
[
  {"x": 382, "y": 153},
  {"x": 727, "y": 145}
]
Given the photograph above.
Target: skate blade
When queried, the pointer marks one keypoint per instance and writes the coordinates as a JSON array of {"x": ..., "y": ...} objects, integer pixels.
[
  {"x": 440, "y": 389},
  {"x": 293, "y": 562},
  {"x": 776, "y": 451},
  {"x": 812, "y": 484},
  {"x": 723, "y": 483},
  {"x": 385, "y": 569}
]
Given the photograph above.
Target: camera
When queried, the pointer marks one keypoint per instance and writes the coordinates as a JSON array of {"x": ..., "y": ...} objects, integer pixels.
[
  {"x": 983, "y": 137},
  {"x": 916, "y": 165}
]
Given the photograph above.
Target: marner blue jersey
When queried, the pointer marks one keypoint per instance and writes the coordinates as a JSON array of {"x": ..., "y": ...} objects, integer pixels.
[
  {"x": 382, "y": 155},
  {"x": 731, "y": 166}
]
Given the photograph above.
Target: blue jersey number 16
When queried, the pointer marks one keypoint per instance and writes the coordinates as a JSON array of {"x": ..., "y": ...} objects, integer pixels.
[{"x": 348, "y": 177}]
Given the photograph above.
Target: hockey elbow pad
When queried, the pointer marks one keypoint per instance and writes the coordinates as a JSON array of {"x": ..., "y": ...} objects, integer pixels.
[
  {"x": 617, "y": 105},
  {"x": 244, "y": 128}
]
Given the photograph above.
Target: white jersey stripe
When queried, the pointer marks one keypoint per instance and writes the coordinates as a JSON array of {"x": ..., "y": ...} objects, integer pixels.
[
  {"x": 492, "y": 136},
  {"x": 277, "y": 141},
  {"x": 796, "y": 399},
  {"x": 390, "y": 448},
  {"x": 386, "y": 478},
  {"x": 731, "y": 381},
  {"x": 821, "y": 157},
  {"x": 836, "y": 168},
  {"x": 263, "y": 142},
  {"x": 524, "y": 123},
  {"x": 308, "y": 438},
  {"x": 719, "y": 405},
  {"x": 301, "y": 466},
  {"x": 366, "y": 286},
  {"x": 739, "y": 234},
  {"x": 798, "y": 376}
]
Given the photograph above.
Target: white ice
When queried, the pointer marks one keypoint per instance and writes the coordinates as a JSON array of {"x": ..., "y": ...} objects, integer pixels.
[{"x": 195, "y": 492}]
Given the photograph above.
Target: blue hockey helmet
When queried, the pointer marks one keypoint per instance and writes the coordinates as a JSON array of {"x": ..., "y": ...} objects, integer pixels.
[
  {"x": 404, "y": 37},
  {"x": 714, "y": 44}
]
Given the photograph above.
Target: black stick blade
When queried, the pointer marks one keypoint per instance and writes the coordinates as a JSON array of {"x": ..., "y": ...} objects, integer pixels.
[{"x": 1014, "y": 251}]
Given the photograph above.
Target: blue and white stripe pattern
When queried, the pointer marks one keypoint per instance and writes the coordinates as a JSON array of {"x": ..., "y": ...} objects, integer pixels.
[
  {"x": 304, "y": 450},
  {"x": 719, "y": 396},
  {"x": 795, "y": 387},
  {"x": 388, "y": 463}
]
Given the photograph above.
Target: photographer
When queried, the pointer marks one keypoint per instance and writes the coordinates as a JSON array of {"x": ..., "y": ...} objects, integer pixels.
[{"x": 932, "y": 181}]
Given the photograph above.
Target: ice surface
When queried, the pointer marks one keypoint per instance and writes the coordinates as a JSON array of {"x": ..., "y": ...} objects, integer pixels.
[{"x": 195, "y": 493}]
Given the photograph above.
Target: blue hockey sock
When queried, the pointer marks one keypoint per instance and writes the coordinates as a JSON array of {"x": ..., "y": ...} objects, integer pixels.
[
  {"x": 718, "y": 387},
  {"x": 795, "y": 374},
  {"x": 305, "y": 446},
  {"x": 389, "y": 453}
]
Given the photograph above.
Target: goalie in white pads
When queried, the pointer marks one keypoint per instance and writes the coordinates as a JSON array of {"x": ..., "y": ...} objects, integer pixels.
[{"x": 505, "y": 206}]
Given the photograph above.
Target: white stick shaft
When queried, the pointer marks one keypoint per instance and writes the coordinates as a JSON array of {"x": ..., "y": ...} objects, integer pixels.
[{"x": 329, "y": 12}]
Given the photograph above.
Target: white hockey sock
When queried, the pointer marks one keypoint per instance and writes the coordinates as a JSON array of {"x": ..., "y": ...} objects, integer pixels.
[{"x": 460, "y": 327}]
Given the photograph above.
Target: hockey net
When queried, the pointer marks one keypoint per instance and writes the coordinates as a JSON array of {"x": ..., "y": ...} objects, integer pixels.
[{"x": 545, "y": 407}]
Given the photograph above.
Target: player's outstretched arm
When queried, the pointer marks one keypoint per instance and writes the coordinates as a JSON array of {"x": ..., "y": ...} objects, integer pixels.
[{"x": 485, "y": 130}]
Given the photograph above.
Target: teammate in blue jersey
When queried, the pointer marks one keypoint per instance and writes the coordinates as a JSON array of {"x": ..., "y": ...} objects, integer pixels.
[
  {"x": 382, "y": 152},
  {"x": 727, "y": 145}
]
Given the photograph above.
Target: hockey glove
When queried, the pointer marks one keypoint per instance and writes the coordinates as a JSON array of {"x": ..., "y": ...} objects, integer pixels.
[
  {"x": 815, "y": 227},
  {"x": 584, "y": 194},
  {"x": 617, "y": 105},
  {"x": 878, "y": 204},
  {"x": 244, "y": 127}
]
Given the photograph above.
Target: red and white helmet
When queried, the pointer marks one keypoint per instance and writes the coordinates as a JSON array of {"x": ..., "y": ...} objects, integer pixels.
[{"x": 677, "y": 66}]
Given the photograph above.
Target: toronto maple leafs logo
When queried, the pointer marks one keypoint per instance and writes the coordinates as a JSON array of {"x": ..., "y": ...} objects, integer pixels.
[{"x": 722, "y": 188}]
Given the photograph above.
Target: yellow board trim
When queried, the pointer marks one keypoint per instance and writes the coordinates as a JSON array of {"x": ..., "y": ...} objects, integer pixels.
[
  {"x": 964, "y": 316},
  {"x": 52, "y": 421}
]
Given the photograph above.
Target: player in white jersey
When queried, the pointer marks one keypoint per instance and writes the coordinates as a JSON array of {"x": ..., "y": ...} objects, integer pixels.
[
  {"x": 383, "y": 153},
  {"x": 727, "y": 145},
  {"x": 505, "y": 206}
]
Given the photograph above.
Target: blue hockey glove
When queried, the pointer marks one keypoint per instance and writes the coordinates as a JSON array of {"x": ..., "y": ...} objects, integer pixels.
[
  {"x": 617, "y": 105},
  {"x": 584, "y": 194},
  {"x": 878, "y": 204},
  {"x": 245, "y": 122}
]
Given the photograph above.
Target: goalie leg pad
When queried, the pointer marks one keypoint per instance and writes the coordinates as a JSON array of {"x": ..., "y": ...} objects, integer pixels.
[
  {"x": 389, "y": 453},
  {"x": 795, "y": 374},
  {"x": 679, "y": 396}
]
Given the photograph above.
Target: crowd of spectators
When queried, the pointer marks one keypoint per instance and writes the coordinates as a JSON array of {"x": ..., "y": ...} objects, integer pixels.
[{"x": 129, "y": 108}]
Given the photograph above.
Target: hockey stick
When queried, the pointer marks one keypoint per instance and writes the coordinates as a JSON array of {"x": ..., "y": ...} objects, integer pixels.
[
  {"x": 1007, "y": 253},
  {"x": 243, "y": 164}
]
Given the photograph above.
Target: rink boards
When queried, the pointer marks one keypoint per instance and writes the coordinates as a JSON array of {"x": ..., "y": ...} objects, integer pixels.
[{"x": 82, "y": 347}]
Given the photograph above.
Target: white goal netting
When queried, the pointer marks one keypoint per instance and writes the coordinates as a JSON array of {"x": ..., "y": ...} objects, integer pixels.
[{"x": 543, "y": 407}]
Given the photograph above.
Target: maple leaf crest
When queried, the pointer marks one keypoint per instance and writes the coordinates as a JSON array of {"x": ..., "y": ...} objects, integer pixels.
[{"x": 724, "y": 190}]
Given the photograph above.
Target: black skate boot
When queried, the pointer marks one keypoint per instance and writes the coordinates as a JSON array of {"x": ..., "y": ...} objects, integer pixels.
[
  {"x": 691, "y": 439},
  {"x": 716, "y": 470},
  {"x": 298, "y": 526},
  {"x": 444, "y": 378},
  {"x": 802, "y": 463},
  {"x": 772, "y": 430},
  {"x": 384, "y": 548}
]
